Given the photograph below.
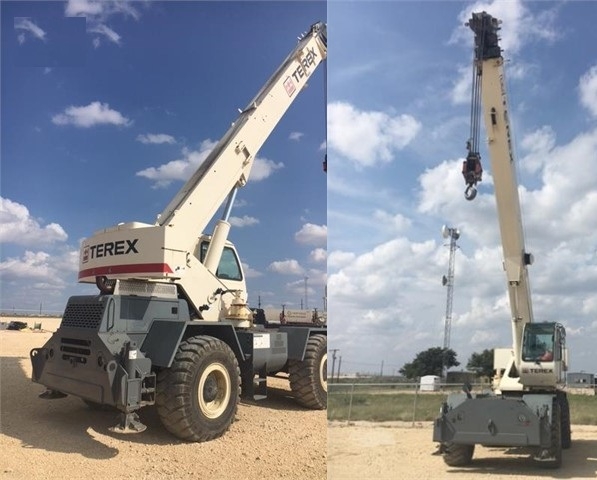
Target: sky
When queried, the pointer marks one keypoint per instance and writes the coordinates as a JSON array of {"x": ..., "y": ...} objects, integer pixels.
[
  {"x": 106, "y": 108},
  {"x": 398, "y": 120}
]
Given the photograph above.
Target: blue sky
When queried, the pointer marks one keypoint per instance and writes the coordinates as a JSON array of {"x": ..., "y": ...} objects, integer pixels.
[
  {"x": 398, "y": 119},
  {"x": 98, "y": 95}
]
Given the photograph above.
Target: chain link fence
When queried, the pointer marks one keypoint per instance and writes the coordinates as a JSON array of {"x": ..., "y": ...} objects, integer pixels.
[{"x": 382, "y": 402}]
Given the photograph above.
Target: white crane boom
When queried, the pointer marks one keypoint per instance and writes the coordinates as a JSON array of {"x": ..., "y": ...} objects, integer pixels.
[
  {"x": 489, "y": 68},
  {"x": 229, "y": 163},
  {"x": 489, "y": 100},
  {"x": 175, "y": 249}
]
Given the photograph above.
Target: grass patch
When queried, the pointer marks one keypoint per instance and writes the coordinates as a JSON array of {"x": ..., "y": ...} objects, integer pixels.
[
  {"x": 381, "y": 407},
  {"x": 388, "y": 405},
  {"x": 583, "y": 409}
]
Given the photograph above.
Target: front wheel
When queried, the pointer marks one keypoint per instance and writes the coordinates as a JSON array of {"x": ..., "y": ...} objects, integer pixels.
[
  {"x": 458, "y": 455},
  {"x": 565, "y": 420},
  {"x": 197, "y": 397},
  {"x": 309, "y": 377}
]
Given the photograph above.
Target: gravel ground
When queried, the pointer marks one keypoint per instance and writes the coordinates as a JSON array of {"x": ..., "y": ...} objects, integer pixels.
[
  {"x": 396, "y": 451},
  {"x": 51, "y": 439}
]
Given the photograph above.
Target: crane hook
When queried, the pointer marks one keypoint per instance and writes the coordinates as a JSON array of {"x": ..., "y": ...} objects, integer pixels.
[
  {"x": 472, "y": 172},
  {"x": 471, "y": 192}
]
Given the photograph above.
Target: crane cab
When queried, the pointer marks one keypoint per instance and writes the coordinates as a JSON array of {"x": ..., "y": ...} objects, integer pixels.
[{"x": 544, "y": 356}]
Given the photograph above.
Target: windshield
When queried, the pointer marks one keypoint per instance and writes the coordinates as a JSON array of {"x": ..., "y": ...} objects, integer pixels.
[
  {"x": 229, "y": 268},
  {"x": 538, "y": 343}
]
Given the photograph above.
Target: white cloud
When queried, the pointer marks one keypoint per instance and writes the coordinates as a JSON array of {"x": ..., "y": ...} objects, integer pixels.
[
  {"x": 84, "y": 8},
  {"x": 29, "y": 29},
  {"x": 244, "y": 221},
  {"x": 368, "y": 137},
  {"x": 180, "y": 169},
  {"x": 587, "y": 87},
  {"x": 461, "y": 89},
  {"x": 183, "y": 168},
  {"x": 96, "y": 113},
  {"x": 107, "y": 32},
  {"x": 19, "y": 227},
  {"x": 296, "y": 136},
  {"x": 33, "y": 265},
  {"x": 286, "y": 267},
  {"x": 155, "y": 138},
  {"x": 318, "y": 255},
  {"x": 338, "y": 259},
  {"x": 41, "y": 267},
  {"x": 311, "y": 234},
  {"x": 397, "y": 222},
  {"x": 263, "y": 168},
  {"x": 250, "y": 272},
  {"x": 98, "y": 12},
  {"x": 538, "y": 143}
]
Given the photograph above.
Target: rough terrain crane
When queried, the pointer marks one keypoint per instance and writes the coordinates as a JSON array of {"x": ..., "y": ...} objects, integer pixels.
[
  {"x": 527, "y": 408},
  {"x": 171, "y": 325}
]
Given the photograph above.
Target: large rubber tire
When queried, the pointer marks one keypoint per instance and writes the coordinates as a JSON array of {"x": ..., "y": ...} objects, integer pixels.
[
  {"x": 458, "y": 455},
  {"x": 197, "y": 397},
  {"x": 309, "y": 378},
  {"x": 565, "y": 410}
]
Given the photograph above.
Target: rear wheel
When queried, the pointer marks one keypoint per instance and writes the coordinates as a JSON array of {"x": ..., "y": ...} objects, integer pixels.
[
  {"x": 458, "y": 455},
  {"x": 565, "y": 410},
  {"x": 309, "y": 377},
  {"x": 197, "y": 397}
]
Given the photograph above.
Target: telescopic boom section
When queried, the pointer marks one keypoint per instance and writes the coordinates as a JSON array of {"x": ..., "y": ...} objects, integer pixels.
[
  {"x": 228, "y": 166},
  {"x": 489, "y": 65}
]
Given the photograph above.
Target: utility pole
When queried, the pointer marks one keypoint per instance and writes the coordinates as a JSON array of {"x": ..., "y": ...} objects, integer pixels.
[
  {"x": 339, "y": 365},
  {"x": 381, "y": 371},
  {"x": 448, "y": 281},
  {"x": 333, "y": 350}
]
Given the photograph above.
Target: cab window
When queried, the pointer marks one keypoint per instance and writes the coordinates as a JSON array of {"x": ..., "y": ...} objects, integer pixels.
[
  {"x": 538, "y": 342},
  {"x": 229, "y": 268}
]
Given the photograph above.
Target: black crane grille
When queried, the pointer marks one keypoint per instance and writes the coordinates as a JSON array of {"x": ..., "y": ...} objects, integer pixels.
[{"x": 83, "y": 315}]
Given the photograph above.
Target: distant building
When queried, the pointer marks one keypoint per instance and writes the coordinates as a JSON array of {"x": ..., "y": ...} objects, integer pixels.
[
  {"x": 580, "y": 380},
  {"x": 430, "y": 383}
]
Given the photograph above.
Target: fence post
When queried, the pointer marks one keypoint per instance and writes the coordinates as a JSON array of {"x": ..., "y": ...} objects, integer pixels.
[
  {"x": 415, "y": 404},
  {"x": 350, "y": 403}
]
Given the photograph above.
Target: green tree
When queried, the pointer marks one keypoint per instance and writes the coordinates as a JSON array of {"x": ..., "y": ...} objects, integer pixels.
[
  {"x": 430, "y": 362},
  {"x": 481, "y": 363}
]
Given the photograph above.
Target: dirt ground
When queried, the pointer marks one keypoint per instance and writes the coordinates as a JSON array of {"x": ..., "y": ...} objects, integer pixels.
[
  {"x": 396, "y": 450},
  {"x": 50, "y": 439}
]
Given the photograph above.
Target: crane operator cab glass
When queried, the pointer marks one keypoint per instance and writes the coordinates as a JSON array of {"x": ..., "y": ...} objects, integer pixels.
[
  {"x": 543, "y": 342},
  {"x": 229, "y": 267}
]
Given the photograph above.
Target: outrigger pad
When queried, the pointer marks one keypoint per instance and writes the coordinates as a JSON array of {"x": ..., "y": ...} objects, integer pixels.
[
  {"x": 52, "y": 394},
  {"x": 129, "y": 423}
]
